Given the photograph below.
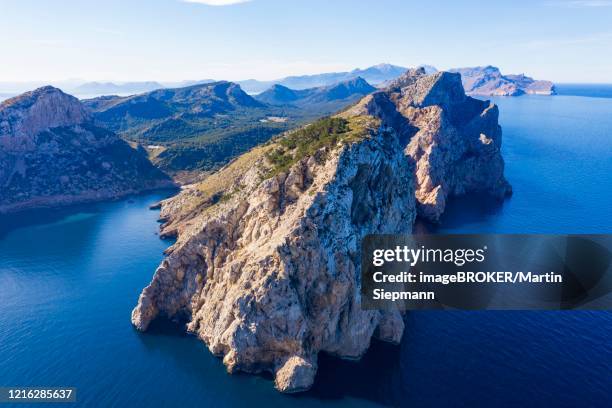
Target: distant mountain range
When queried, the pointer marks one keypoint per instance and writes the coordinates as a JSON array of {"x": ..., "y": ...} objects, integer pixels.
[
  {"x": 484, "y": 81},
  {"x": 130, "y": 88},
  {"x": 323, "y": 99},
  {"x": 374, "y": 75}
]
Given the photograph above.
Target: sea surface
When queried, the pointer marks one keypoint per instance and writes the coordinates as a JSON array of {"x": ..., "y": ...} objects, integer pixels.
[
  {"x": 70, "y": 278},
  {"x": 589, "y": 90}
]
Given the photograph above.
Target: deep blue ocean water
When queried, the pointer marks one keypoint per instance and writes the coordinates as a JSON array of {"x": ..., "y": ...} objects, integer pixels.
[{"x": 69, "y": 280}]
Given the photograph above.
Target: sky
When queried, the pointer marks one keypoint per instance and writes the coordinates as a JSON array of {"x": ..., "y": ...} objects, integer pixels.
[{"x": 174, "y": 40}]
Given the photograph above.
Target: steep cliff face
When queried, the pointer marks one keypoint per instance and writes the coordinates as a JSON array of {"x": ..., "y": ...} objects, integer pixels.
[
  {"x": 266, "y": 267},
  {"x": 51, "y": 153},
  {"x": 453, "y": 139},
  {"x": 22, "y": 118}
]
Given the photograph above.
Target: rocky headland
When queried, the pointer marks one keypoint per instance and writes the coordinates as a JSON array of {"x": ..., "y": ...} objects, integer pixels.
[
  {"x": 52, "y": 153},
  {"x": 489, "y": 81},
  {"x": 266, "y": 266},
  {"x": 453, "y": 140}
]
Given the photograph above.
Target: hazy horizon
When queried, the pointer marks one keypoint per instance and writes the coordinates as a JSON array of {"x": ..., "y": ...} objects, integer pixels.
[
  {"x": 565, "y": 41},
  {"x": 10, "y": 88}
]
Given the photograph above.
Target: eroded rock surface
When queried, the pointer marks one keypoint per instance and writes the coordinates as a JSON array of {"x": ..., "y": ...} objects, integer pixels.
[
  {"x": 266, "y": 266},
  {"x": 453, "y": 139},
  {"x": 52, "y": 153}
]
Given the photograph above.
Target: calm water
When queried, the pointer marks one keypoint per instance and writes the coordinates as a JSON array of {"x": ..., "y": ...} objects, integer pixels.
[
  {"x": 591, "y": 90},
  {"x": 69, "y": 279}
]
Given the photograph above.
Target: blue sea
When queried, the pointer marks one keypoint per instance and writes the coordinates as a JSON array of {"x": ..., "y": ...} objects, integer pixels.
[
  {"x": 70, "y": 278},
  {"x": 589, "y": 90}
]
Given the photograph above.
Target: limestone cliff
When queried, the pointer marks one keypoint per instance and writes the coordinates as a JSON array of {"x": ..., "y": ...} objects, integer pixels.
[
  {"x": 453, "y": 140},
  {"x": 266, "y": 267},
  {"x": 52, "y": 153}
]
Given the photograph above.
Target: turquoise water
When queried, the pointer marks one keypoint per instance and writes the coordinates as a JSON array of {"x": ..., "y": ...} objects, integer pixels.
[{"x": 69, "y": 279}]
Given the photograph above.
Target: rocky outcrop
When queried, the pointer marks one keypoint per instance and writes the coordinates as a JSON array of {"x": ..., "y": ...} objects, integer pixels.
[
  {"x": 453, "y": 139},
  {"x": 266, "y": 266},
  {"x": 489, "y": 81},
  {"x": 51, "y": 153}
]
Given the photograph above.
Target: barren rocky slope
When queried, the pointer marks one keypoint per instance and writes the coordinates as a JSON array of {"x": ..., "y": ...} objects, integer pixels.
[
  {"x": 266, "y": 267},
  {"x": 51, "y": 153}
]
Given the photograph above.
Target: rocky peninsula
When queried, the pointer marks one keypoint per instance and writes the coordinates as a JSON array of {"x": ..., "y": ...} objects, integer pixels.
[
  {"x": 489, "y": 81},
  {"x": 52, "y": 153},
  {"x": 266, "y": 266}
]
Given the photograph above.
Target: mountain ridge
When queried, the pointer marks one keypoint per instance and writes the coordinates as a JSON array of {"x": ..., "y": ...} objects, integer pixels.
[
  {"x": 149, "y": 112},
  {"x": 374, "y": 75},
  {"x": 348, "y": 90}
]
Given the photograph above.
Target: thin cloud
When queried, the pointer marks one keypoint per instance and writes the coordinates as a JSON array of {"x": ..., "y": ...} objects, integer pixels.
[{"x": 217, "y": 2}]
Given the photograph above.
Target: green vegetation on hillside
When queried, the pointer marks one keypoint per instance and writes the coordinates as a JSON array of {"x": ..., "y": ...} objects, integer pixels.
[
  {"x": 203, "y": 127},
  {"x": 215, "y": 148},
  {"x": 326, "y": 132}
]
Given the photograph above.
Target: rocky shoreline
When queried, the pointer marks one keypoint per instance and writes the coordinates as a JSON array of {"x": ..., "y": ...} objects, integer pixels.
[{"x": 60, "y": 201}]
